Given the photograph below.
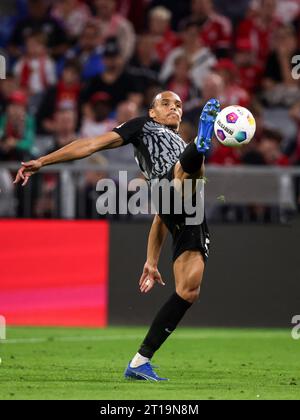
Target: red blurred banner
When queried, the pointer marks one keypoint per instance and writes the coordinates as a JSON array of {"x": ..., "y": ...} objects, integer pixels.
[{"x": 54, "y": 273}]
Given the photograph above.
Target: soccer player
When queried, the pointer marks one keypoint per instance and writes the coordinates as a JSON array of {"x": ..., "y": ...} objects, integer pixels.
[{"x": 161, "y": 154}]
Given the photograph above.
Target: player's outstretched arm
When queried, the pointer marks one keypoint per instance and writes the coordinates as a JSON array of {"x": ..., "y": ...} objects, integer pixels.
[
  {"x": 78, "y": 149},
  {"x": 151, "y": 275}
]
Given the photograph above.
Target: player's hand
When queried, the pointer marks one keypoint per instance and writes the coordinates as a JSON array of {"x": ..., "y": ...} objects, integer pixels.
[
  {"x": 150, "y": 276},
  {"x": 27, "y": 169}
]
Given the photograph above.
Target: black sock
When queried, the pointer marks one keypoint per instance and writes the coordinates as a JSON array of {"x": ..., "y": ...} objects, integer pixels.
[
  {"x": 191, "y": 160},
  {"x": 164, "y": 324}
]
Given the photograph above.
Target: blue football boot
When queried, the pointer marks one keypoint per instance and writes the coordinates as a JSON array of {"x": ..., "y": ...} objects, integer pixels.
[
  {"x": 143, "y": 372},
  {"x": 206, "y": 125}
]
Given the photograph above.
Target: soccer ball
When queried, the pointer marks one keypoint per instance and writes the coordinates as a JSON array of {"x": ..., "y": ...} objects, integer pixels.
[{"x": 235, "y": 126}]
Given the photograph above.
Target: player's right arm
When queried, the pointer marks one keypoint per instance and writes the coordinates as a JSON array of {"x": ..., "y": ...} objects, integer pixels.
[
  {"x": 78, "y": 149},
  {"x": 151, "y": 275}
]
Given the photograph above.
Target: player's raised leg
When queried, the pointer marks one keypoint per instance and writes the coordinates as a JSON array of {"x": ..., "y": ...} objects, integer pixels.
[{"x": 191, "y": 160}]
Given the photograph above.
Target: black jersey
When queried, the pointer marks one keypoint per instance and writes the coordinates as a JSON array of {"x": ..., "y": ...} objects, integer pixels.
[{"x": 157, "y": 147}]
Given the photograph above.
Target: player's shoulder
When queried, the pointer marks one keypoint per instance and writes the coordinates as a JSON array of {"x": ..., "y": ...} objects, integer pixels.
[{"x": 138, "y": 122}]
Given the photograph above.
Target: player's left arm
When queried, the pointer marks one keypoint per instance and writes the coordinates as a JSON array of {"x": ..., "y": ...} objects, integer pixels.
[{"x": 156, "y": 239}]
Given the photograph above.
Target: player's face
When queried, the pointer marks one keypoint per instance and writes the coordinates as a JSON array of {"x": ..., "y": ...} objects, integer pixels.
[{"x": 167, "y": 110}]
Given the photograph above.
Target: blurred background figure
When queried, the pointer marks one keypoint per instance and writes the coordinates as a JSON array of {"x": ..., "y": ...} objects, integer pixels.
[
  {"x": 35, "y": 71},
  {"x": 233, "y": 92},
  {"x": 64, "y": 127},
  {"x": 7, "y": 87},
  {"x": 87, "y": 51},
  {"x": 97, "y": 115},
  {"x": 112, "y": 24},
  {"x": 279, "y": 86},
  {"x": 48, "y": 196},
  {"x": 269, "y": 150},
  {"x": 181, "y": 83},
  {"x": 17, "y": 129},
  {"x": 115, "y": 79},
  {"x": 73, "y": 15},
  {"x": 200, "y": 57},
  {"x": 249, "y": 71},
  {"x": 64, "y": 95},
  {"x": 39, "y": 20},
  {"x": 215, "y": 30},
  {"x": 165, "y": 40},
  {"x": 260, "y": 27},
  {"x": 145, "y": 65}
]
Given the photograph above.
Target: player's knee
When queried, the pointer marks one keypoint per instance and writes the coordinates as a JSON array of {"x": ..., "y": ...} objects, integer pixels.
[
  {"x": 191, "y": 160},
  {"x": 189, "y": 294}
]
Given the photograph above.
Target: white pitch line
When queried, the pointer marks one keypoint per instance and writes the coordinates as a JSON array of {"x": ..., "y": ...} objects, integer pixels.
[{"x": 179, "y": 336}]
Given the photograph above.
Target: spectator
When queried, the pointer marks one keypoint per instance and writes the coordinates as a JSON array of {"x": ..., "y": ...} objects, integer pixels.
[
  {"x": 64, "y": 132},
  {"x": 280, "y": 89},
  {"x": 294, "y": 146},
  {"x": 144, "y": 64},
  {"x": 225, "y": 156},
  {"x": 35, "y": 71},
  {"x": 179, "y": 9},
  {"x": 17, "y": 129},
  {"x": 268, "y": 151},
  {"x": 97, "y": 118},
  {"x": 112, "y": 24},
  {"x": 7, "y": 87},
  {"x": 249, "y": 71},
  {"x": 134, "y": 11},
  {"x": 200, "y": 57},
  {"x": 180, "y": 82},
  {"x": 234, "y": 10},
  {"x": 287, "y": 10},
  {"x": 233, "y": 93},
  {"x": 64, "y": 127},
  {"x": 213, "y": 87},
  {"x": 73, "y": 15},
  {"x": 88, "y": 195},
  {"x": 64, "y": 95},
  {"x": 260, "y": 28},
  {"x": 115, "y": 80},
  {"x": 159, "y": 22},
  {"x": 38, "y": 20},
  {"x": 88, "y": 51},
  {"x": 215, "y": 30}
]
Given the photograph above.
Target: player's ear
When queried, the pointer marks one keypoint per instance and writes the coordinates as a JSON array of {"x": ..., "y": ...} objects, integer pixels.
[{"x": 152, "y": 113}]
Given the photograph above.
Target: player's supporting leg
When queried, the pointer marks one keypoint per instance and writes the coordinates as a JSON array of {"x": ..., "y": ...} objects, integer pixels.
[{"x": 188, "y": 272}]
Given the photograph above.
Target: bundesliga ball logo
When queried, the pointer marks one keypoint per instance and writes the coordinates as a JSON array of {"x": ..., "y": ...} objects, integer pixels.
[{"x": 235, "y": 126}]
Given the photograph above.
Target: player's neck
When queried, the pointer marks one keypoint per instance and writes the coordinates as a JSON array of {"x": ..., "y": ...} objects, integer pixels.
[{"x": 170, "y": 127}]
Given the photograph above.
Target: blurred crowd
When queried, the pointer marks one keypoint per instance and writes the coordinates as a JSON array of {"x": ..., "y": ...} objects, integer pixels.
[{"x": 78, "y": 68}]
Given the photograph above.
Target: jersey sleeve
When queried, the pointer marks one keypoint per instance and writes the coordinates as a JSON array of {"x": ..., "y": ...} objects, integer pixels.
[{"x": 130, "y": 130}]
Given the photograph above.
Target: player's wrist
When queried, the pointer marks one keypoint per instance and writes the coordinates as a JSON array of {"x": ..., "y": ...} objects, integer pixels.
[
  {"x": 152, "y": 262},
  {"x": 42, "y": 162}
]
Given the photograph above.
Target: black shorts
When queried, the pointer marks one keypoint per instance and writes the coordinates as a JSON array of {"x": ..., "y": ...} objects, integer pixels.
[{"x": 185, "y": 237}]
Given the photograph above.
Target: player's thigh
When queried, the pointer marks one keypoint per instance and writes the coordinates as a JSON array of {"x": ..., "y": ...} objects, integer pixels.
[
  {"x": 188, "y": 271},
  {"x": 181, "y": 179}
]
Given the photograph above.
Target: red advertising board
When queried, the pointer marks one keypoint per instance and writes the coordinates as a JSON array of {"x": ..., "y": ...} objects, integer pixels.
[{"x": 54, "y": 273}]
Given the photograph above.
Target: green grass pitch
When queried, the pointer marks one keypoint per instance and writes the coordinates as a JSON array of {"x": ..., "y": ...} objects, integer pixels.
[{"x": 62, "y": 363}]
